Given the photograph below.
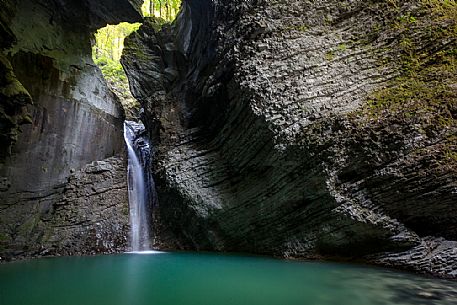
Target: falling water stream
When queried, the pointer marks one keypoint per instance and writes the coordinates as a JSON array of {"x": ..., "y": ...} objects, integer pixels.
[{"x": 138, "y": 190}]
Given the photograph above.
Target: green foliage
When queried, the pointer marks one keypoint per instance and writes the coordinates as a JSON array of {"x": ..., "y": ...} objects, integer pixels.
[
  {"x": 445, "y": 8},
  {"x": 425, "y": 96},
  {"x": 117, "y": 81},
  {"x": 110, "y": 40},
  {"x": 407, "y": 19},
  {"x": 166, "y": 9},
  {"x": 451, "y": 154},
  {"x": 109, "y": 43},
  {"x": 107, "y": 52},
  {"x": 112, "y": 70}
]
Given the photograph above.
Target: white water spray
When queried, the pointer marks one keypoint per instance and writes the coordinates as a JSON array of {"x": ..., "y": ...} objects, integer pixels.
[{"x": 138, "y": 197}]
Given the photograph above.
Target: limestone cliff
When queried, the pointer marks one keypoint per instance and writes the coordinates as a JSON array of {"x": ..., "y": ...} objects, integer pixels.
[
  {"x": 57, "y": 115},
  {"x": 304, "y": 128}
]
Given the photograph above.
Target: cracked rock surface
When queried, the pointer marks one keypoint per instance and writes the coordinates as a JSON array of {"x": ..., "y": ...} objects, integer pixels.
[{"x": 86, "y": 215}]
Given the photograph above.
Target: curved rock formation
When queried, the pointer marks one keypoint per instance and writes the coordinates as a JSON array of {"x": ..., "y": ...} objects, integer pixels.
[
  {"x": 50, "y": 201},
  {"x": 304, "y": 129}
]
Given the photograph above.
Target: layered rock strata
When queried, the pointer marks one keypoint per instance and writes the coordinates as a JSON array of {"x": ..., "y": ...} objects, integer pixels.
[
  {"x": 88, "y": 214},
  {"x": 57, "y": 115},
  {"x": 304, "y": 129}
]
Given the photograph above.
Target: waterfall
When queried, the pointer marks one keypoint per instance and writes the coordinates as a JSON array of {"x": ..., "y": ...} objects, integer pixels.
[{"x": 140, "y": 185}]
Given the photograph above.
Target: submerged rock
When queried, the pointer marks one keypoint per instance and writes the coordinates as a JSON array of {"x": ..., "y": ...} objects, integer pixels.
[{"x": 304, "y": 129}]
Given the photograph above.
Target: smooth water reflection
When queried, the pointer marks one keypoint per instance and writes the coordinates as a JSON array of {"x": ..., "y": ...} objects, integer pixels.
[{"x": 203, "y": 279}]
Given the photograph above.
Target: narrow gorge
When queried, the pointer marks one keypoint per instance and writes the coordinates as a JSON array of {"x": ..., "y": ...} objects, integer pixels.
[{"x": 309, "y": 130}]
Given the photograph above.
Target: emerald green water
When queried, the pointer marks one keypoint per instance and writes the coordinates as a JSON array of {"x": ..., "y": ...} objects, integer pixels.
[{"x": 203, "y": 279}]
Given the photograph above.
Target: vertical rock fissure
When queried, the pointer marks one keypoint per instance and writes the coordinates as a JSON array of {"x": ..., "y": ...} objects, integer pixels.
[{"x": 140, "y": 185}]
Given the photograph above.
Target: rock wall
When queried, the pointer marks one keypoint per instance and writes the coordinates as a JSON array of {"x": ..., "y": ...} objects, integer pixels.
[
  {"x": 304, "y": 129},
  {"x": 88, "y": 214},
  {"x": 57, "y": 115}
]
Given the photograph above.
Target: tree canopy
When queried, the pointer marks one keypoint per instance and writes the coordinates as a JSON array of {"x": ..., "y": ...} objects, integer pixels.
[{"x": 166, "y": 9}]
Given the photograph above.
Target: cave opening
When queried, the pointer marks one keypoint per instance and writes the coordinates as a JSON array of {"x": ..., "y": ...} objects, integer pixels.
[{"x": 108, "y": 46}]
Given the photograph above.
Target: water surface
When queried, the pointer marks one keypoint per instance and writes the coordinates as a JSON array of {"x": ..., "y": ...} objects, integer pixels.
[{"x": 204, "y": 279}]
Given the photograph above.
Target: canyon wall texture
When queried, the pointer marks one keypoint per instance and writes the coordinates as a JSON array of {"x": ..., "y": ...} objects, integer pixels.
[
  {"x": 57, "y": 116},
  {"x": 304, "y": 129}
]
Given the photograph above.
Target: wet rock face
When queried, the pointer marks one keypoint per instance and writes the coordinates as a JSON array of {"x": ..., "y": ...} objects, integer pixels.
[
  {"x": 56, "y": 116},
  {"x": 12, "y": 94},
  {"x": 88, "y": 214},
  {"x": 13, "y": 112},
  {"x": 277, "y": 133},
  {"x": 72, "y": 124}
]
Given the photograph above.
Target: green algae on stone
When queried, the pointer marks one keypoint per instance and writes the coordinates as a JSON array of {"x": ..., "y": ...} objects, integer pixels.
[{"x": 11, "y": 86}]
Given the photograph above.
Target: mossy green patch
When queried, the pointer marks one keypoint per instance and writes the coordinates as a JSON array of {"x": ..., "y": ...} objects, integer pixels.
[
  {"x": 424, "y": 95},
  {"x": 330, "y": 55},
  {"x": 342, "y": 47},
  {"x": 156, "y": 22},
  {"x": 428, "y": 74},
  {"x": 125, "y": 211},
  {"x": 299, "y": 28},
  {"x": 12, "y": 89},
  {"x": 4, "y": 237}
]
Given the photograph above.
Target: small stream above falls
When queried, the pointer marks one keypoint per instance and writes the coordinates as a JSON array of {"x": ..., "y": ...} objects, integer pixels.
[{"x": 140, "y": 184}]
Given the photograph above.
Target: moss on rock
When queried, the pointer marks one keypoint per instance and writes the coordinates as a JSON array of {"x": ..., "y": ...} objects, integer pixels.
[{"x": 424, "y": 95}]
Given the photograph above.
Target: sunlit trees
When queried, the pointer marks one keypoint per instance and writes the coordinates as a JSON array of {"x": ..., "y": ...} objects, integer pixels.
[
  {"x": 166, "y": 9},
  {"x": 107, "y": 51},
  {"x": 110, "y": 40},
  {"x": 109, "y": 43}
]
